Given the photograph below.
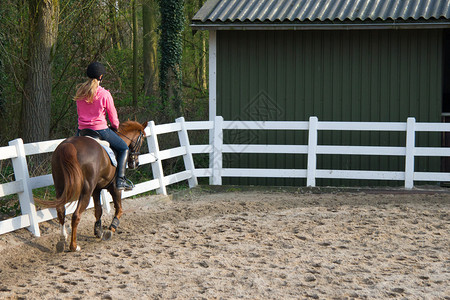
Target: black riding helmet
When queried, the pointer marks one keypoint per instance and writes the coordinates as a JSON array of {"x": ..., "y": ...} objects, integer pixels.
[{"x": 95, "y": 70}]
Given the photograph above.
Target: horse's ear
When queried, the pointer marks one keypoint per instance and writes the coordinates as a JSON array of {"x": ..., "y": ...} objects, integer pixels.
[{"x": 144, "y": 124}]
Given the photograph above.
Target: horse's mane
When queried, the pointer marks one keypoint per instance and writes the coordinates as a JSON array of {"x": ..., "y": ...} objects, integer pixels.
[{"x": 128, "y": 126}]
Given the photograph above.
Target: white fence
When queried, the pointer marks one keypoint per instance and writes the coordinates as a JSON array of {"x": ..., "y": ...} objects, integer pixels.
[{"x": 24, "y": 184}]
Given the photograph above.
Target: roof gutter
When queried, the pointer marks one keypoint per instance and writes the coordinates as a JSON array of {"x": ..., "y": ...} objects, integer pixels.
[{"x": 437, "y": 25}]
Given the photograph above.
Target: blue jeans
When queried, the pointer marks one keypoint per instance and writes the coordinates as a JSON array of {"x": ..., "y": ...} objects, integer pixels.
[
  {"x": 114, "y": 140},
  {"x": 116, "y": 143}
]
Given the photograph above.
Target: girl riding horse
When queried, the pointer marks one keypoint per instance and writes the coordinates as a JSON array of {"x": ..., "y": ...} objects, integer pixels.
[{"x": 93, "y": 102}]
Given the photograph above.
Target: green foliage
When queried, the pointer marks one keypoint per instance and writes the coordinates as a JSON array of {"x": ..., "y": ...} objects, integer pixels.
[
  {"x": 91, "y": 30},
  {"x": 171, "y": 49},
  {"x": 12, "y": 38},
  {"x": 9, "y": 207},
  {"x": 6, "y": 171}
]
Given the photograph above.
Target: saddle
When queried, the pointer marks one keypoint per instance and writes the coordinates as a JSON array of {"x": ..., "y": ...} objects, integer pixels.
[{"x": 96, "y": 136}]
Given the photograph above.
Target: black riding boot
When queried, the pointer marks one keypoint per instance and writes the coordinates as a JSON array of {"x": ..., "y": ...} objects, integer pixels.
[{"x": 121, "y": 181}]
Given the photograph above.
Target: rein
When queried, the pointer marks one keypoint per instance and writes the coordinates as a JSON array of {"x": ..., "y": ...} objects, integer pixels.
[{"x": 135, "y": 146}]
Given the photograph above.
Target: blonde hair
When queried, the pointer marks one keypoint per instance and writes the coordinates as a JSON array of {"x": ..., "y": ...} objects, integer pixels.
[{"x": 87, "y": 90}]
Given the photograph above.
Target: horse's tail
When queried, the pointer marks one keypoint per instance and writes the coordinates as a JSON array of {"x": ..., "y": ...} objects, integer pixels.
[{"x": 67, "y": 176}]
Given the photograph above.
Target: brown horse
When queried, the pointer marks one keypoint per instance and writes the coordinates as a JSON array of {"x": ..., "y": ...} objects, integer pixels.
[{"x": 81, "y": 168}]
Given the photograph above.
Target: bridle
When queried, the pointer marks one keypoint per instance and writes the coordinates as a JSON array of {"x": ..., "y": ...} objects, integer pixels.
[{"x": 135, "y": 146}]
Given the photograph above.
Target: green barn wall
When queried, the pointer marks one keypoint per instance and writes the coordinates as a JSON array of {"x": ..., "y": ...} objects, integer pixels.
[{"x": 359, "y": 75}]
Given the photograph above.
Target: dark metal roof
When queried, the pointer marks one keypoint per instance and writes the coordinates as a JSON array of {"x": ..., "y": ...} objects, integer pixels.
[{"x": 338, "y": 12}]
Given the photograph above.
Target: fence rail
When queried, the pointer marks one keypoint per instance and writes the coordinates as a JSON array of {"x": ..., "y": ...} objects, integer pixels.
[{"x": 23, "y": 185}]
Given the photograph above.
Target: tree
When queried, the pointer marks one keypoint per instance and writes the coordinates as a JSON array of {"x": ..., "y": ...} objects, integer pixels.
[
  {"x": 150, "y": 46},
  {"x": 195, "y": 51},
  {"x": 113, "y": 21},
  {"x": 36, "y": 100},
  {"x": 171, "y": 48},
  {"x": 135, "y": 55},
  {"x": 203, "y": 69}
]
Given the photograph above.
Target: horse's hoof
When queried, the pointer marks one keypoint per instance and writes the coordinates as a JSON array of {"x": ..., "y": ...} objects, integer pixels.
[
  {"x": 99, "y": 233},
  {"x": 98, "y": 230},
  {"x": 60, "y": 246},
  {"x": 76, "y": 249},
  {"x": 107, "y": 235}
]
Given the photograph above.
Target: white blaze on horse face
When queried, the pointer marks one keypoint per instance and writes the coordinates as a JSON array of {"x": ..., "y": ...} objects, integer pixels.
[{"x": 64, "y": 232}]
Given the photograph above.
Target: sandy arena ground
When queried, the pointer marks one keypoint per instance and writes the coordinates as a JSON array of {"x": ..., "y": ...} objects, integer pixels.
[{"x": 250, "y": 244}]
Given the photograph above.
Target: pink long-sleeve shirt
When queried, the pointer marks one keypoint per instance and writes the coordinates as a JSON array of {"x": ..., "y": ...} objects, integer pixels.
[{"x": 93, "y": 115}]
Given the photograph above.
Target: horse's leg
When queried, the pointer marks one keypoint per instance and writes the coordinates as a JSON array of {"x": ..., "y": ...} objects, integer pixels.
[
  {"x": 83, "y": 202},
  {"x": 117, "y": 199},
  {"x": 98, "y": 231},
  {"x": 60, "y": 246}
]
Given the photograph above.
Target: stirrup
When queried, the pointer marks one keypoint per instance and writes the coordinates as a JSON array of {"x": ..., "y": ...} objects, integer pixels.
[{"x": 124, "y": 184}]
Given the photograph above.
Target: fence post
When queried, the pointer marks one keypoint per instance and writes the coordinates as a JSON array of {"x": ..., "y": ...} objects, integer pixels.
[
  {"x": 105, "y": 198},
  {"x": 157, "y": 168},
  {"x": 216, "y": 155},
  {"x": 409, "y": 157},
  {"x": 26, "y": 200},
  {"x": 312, "y": 152},
  {"x": 187, "y": 158}
]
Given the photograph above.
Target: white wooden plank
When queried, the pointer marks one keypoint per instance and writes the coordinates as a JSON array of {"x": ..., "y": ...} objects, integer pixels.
[
  {"x": 147, "y": 158},
  {"x": 433, "y": 127},
  {"x": 264, "y": 173},
  {"x": 361, "y": 150},
  {"x": 199, "y": 125},
  {"x": 216, "y": 160},
  {"x": 290, "y": 149},
  {"x": 14, "y": 224},
  {"x": 187, "y": 158},
  {"x": 167, "y": 128},
  {"x": 46, "y": 214},
  {"x": 71, "y": 207},
  {"x": 265, "y": 125},
  {"x": 26, "y": 200},
  {"x": 41, "y": 181},
  {"x": 50, "y": 213},
  {"x": 356, "y": 174},
  {"x": 312, "y": 152},
  {"x": 142, "y": 187},
  {"x": 8, "y": 152},
  {"x": 170, "y": 153},
  {"x": 409, "y": 155},
  {"x": 174, "y": 178},
  {"x": 207, "y": 172},
  {"x": 105, "y": 200},
  {"x": 157, "y": 168},
  {"x": 362, "y": 126},
  {"x": 42, "y": 147},
  {"x": 430, "y": 151},
  {"x": 432, "y": 176},
  {"x": 323, "y": 149},
  {"x": 10, "y": 188},
  {"x": 147, "y": 130}
]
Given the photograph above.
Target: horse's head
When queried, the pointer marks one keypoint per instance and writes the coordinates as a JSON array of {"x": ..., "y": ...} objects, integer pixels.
[{"x": 133, "y": 134}]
